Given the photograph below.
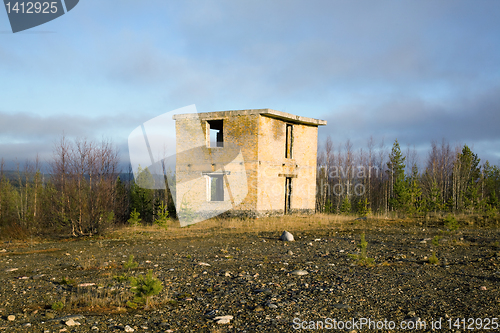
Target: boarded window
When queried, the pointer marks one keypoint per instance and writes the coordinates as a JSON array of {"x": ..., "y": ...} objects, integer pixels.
[
  {"x": 215, "y": 133},
  {"x": 289, "y": 141}
]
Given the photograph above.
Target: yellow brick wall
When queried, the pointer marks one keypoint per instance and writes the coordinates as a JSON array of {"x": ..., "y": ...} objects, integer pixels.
[
  {"x": 302, "y": 165},
  {"x": 260, "y": 140},
  {"x": 239, "y": 136}
]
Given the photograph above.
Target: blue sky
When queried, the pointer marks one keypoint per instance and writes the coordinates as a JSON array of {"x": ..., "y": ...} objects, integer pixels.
[{"x": 417, "y": 71}]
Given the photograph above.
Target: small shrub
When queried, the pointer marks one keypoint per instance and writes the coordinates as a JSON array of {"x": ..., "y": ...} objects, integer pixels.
[
  {"x": 173, "y": 302},
  {"x": 362, "y": 257},
  {"x": 435, "y": 240},
  {"x": 451, "y": 223},
  {"x": 433, "y": 259},
  {"x": 57, "y": 306},
  {"x": 162, "y": 216},
  {"x": 134, "y": 219},
  {"x": 144, "y": 287},
  {"x": 183, "y": 295},
  {"x": 329, "y": 208},
  {"x": 130, "y": 264},
  {"x": 345, "y": 208},
  {"x": 186, "y": 213},
  {"x": 121, "y": 278},
  {"x": 362, "y": 246},
  {"x": 362, "y": 208},
  {"x": 66, "y": 281},
  {"x": 131, "y": 305},
  {"x": 490, "y": 212}
]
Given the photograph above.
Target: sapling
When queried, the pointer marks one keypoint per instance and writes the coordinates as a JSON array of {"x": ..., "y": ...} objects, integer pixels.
[
  {"x": 144, "y": 287},
  {"x": 451, "y": 223},
  {"x": 433, "y": 259},
  {"x": 361, "y": 257},
  {"x": 435, "y": 240},
  {"x": 134, "y": 219},
  {"x": 130, "y": 264},
  {"x": 162, "y": 216},
  {"x": 57, "y": 306},
  {"x": 362, "y": 246}
]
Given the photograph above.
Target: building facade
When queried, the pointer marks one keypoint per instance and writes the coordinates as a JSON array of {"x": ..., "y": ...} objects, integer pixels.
[{"x": 245, "y": 163}]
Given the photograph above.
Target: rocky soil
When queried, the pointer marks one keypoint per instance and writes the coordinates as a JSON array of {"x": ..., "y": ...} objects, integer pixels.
[{"x": 251, "y": 282}]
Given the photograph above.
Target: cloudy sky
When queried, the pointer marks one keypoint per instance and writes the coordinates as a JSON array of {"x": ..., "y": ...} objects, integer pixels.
[{"x": 417, "y": 71}]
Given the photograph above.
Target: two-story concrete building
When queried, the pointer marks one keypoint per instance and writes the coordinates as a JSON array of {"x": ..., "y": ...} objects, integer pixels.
[{"x": 246, "y": 162}]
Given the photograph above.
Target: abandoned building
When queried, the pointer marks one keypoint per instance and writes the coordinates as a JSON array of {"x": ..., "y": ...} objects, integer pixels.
[{"x": 245, "y": 162}]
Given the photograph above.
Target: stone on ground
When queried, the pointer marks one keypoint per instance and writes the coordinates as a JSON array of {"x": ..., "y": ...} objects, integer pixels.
[
  {"x": 71, "y": 322},
  {"x": 223, "y": 319},
  {"x": 286, "y": 236}
]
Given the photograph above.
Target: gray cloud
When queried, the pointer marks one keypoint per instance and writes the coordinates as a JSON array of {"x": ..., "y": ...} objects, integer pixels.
[
  {"x": 471, "y": 120},
  {"x": 418, "y": 71},
  {"x": 23, "y": 136}
]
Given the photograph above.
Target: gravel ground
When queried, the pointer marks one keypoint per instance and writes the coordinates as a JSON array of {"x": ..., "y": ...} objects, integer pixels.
[{"x": 261, "y": 283}]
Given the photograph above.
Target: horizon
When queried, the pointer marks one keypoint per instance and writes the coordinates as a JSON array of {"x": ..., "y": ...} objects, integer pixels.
[{"x": 414, "y": 71}]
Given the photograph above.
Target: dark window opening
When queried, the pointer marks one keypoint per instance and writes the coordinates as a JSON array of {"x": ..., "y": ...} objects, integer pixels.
[
  {"x": 216, "y": 188},
  {"x": 288, "y": 194},
  {"x": 215, "y": 129},
  {"x": 289, "y": 141}
]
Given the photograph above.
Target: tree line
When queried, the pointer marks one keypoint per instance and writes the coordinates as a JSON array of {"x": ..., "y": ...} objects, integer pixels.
[
  {"x": 81, "y": 194},
  {"x": 374, "y": 180}
]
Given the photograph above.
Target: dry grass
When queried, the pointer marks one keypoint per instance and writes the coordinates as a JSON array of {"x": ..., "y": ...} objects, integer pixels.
[
  {"x": 14, "y": 231},
  {"x": 87, "y": 262},
  {"x": 292, "y": 223}
]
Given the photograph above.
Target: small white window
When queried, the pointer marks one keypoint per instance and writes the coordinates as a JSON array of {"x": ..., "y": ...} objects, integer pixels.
[{"x": 215, "y": 188}]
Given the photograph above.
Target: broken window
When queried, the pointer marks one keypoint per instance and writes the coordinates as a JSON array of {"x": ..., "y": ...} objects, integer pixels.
[
  {"x": 215, "y": 132},
  {"x": 215, "y": 188},
  {"x": 289, "y": 141}
]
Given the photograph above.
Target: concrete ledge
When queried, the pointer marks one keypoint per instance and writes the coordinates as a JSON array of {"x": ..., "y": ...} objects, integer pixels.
[{"x": 264, "y": 112}]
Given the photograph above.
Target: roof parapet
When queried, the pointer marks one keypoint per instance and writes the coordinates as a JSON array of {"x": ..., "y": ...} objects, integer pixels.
[{"x": 264, "y": 112}]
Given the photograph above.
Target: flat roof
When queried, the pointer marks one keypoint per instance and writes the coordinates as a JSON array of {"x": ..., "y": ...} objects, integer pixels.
[{"x": 264, "y": 112}]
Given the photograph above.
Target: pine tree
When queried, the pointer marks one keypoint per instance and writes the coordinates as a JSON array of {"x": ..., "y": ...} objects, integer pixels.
[
  {"x": 433, "y": 198},
  {"x": 144, "y": 287},
  {"x": 362, "y": 208},
  {"x": 399, "y": 195},
  {"x": 345, "y": 208},
  {"x": 141, "y": 196},
  {"x": 414, "y": 192},
  {"x": 466, "y": 175},
  {"x": 492, "y": 185}
]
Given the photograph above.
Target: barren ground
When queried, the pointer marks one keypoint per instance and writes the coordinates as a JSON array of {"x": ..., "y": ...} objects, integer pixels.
[{"x": 242, "y": 269}]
